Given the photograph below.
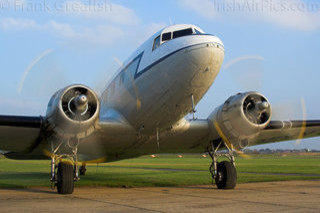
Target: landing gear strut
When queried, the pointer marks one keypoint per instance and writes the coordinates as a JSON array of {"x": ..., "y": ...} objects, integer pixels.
[
  {"x": 65, "y": 173},
  {"x": 224, "y": 173}
]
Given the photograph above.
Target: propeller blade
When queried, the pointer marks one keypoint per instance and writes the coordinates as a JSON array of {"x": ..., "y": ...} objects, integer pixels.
[
  {"x": 247, "y": 71},
  {"x": 303, "y": 126},
  {"x": 43, "y": 76}
]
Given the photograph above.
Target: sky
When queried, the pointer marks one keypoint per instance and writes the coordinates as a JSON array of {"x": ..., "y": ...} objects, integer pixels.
[{"x": 271, "y": 46}]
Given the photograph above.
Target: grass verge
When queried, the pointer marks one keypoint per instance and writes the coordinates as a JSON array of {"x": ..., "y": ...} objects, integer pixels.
[{"x": 164, "y": 170}]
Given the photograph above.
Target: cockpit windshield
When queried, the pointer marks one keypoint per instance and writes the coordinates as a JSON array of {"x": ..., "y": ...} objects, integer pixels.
[
  {"x": 166, "y": 36},
  {"x": 180, "y": 33}
]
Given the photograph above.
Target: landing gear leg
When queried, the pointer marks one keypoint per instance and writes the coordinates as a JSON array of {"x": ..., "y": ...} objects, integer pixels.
[
  {"x": 82, "y": 169},
  {"x": 65, "y": 173},
  {"x": 224, "y": 173}
]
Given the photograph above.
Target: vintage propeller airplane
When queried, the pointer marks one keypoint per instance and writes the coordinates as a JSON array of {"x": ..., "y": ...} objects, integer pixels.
[{"x": 142, "y": 111}]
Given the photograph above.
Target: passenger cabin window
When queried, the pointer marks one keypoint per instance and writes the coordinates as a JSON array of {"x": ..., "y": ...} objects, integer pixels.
[
  {"x": 156, "y": 43},
  {"x": 166, "y": 36},
  {"x": 180, "y": 33}
]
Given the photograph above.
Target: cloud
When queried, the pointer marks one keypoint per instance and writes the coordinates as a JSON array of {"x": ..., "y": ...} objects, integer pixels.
[
  {"x": 100, "y": 34},
  {"x": 98, "y": 10},
  {"x": 97, "y": 34},
  {"x": 286, "y": 13},
  {"x": 76, "y": 22},
  {"x": 17, "y": 24},
  {"x": 60, "y": 29},
  {"x": 96, "y": 23},
  {"x": 114, "y": 13},
  {"x": 294, "y": 14}
]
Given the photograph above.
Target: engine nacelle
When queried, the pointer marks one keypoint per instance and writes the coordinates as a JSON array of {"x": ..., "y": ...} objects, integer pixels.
[
  {"x": 73, "y": 112},
  {"x": 241, "y": 118}
]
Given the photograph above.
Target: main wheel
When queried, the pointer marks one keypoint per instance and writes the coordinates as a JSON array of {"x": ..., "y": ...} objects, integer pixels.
[
  {"x": 226, "y": 175},
  {"x": 65, "y": 178}
]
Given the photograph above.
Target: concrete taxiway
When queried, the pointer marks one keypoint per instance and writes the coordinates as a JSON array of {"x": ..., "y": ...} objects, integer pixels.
[{"x": 288, "y": 196}]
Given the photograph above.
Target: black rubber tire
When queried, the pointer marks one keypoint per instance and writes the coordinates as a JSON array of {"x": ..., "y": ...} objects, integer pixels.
[
  {"x": 65, "y": 178},
  {"x": 226, "y": 175}
]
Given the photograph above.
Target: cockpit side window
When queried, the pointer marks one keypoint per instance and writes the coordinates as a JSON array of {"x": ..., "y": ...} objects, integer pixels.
[
  {"x": 156, "y": 43},
  {"x": 180, "y": 33},
  {"x": 197, "y": 32},
  {"x": 166, "y": 36}
]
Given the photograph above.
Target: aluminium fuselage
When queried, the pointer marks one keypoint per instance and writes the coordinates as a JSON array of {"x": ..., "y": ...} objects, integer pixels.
[{"x": 154, "y": 87}]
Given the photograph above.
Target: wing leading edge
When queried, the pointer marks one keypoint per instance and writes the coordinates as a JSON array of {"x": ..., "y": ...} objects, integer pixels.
[{"x": 278, "y": 131}]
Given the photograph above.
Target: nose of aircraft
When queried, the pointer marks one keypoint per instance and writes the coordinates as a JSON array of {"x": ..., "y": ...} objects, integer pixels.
[
  {"x": 219, "y": 41},
  {"x": 214, "y": 39}
]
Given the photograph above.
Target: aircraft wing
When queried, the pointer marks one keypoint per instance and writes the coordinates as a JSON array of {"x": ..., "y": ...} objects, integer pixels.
[
  {"x": 19, "y": 133},
  {"x": 23, "y": 137},
  {"x": 278, "y": 131},
  {"x": 194, "y": 136}
]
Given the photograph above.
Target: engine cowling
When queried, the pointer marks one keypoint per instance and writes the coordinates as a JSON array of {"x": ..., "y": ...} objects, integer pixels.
[
  {"x": 73, "y": 112},
  {"x": 241, "y": 118}
]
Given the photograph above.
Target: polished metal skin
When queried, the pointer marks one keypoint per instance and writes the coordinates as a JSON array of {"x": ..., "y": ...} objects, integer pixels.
[
  {"x": 73, "y": 112},
  {"x": 142, "y": 109},
  {"x": 241, "y": 118}
]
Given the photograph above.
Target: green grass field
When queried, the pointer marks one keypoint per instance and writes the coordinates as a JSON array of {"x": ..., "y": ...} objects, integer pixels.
[{"x": 164, "y": 170}]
